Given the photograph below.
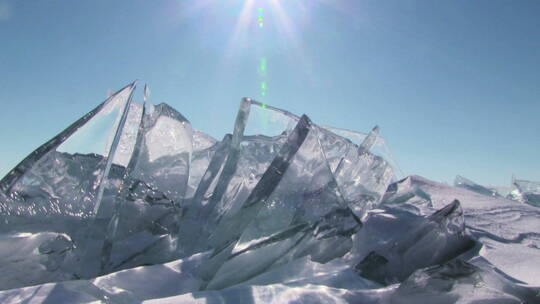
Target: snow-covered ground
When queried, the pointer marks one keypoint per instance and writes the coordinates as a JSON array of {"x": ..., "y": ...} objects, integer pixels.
[{"x": 506, "y": 229}]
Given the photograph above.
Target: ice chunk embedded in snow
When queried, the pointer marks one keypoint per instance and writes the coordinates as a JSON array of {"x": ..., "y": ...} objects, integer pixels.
[
  {"x": 463, "y": 182},
  {"x": 526, "y": 191},
  {"x": 432, "y": 240}
]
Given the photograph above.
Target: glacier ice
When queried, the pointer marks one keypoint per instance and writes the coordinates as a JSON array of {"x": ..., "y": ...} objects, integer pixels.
[{"x": 131, "y": 203}]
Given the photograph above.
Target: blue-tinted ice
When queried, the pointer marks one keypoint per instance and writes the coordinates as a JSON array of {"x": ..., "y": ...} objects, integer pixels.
[{"x": 133, "y": 184}]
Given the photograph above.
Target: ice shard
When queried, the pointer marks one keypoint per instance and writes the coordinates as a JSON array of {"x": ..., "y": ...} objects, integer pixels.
[
  {"x": 164, "y": 155},
  {"x": 526, "y": 191},
  {"x": 377, "y": 147},
  {"x": 62, "y": 177},
  {"x": 430, "y": 241},
  {"x": 63, "y": 186},
  {"x": 361, "y": 175},
  {"x": 204, "y": 148},
  {"x": 232, "y": 173},
  {"x": 465, "y": 183},
  {"x": 250, "y": 155},
  {"x": 458, "y": 281},
  {"x": 106, "y": 203},
  {"x": 405, "y": 194},
  {"x": 194, "y": 225},
  {"x": 279, "y": 221},
  {"x": 153, "y": 192}
]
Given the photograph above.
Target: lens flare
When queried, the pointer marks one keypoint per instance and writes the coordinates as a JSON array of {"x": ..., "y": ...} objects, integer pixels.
[
  {"x": 266, "y": 28},
  {"x": 260, "y": 18}
]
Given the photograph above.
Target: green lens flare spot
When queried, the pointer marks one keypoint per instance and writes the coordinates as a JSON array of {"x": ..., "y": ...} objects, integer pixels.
[{"x": 260, "y": 18}]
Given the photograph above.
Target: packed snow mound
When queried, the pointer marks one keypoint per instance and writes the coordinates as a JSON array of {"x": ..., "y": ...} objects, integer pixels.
[{"x": 131, "y": 204}]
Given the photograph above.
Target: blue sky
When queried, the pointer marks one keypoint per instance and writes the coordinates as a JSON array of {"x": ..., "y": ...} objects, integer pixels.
[{"x": 454, "y": 85}]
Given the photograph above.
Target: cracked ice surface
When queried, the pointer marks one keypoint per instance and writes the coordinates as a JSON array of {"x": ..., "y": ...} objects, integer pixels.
[{"x": 131, "y": 204}]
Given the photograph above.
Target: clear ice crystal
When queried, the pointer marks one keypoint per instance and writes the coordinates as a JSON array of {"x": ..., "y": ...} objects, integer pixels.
[{"x": 64, "y": 175}]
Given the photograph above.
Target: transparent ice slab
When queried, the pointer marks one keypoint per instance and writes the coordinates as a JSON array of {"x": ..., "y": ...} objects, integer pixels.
[
  {"x": 106, "y": 205},
  {"x": 232, "y": 173},
  {"x": 361, "y": 175},
  {"x": 65, "y": 185},
  {"x": 465, "y": 183},
  {"x": 429, "y": 241},
  {"x": 152, "y": 192},
  {"x": 526, "y": 191},
  {"x": 164, "y": 155},
  {"x": 459, "y": 281},
  {"x": 196, "y": 225},
  {"x": 405, "y": 194},
  {"x": 64, "y": 175},
  {"x": 377, "y": 145},
  {"x": 291, "y": 213},
  {"x": 204, "y": 148},
  {"x": 249, "y": 155}
]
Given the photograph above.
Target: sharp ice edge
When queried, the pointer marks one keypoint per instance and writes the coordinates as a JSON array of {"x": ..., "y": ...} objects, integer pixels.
[{"x": 295, "y": 214}]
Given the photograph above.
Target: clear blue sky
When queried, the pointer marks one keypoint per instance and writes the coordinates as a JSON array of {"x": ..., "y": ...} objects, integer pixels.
[{"x": 454, "y": 85}]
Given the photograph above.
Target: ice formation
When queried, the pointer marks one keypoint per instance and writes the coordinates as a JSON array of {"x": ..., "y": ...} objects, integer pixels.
[
  {"x": 523, "y": 191},
  {"x": 463, "y": 182},
  {"x": 526, "y": 191},
  {"x": 131, "y": 204}
]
